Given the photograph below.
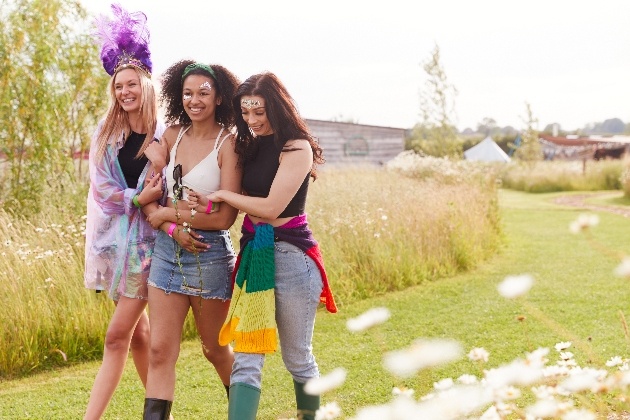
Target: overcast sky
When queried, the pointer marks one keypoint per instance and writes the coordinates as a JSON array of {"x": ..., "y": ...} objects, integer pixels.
[{"x": 362, "y": 60}]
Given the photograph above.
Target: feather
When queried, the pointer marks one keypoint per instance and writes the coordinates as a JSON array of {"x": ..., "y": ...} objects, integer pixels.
[{"x": 124, "y": 40}]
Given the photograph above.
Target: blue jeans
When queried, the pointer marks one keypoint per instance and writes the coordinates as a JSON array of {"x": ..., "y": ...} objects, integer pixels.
[{"x": 297, "y": 291}]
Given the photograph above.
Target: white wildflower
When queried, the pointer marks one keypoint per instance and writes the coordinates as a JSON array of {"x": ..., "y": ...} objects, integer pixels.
[
  {"x": 443, "y": 384},
  {"x": 405, "y": 392},
  {"x": 583, "y": 222},
  {"x": 478, "y": 354},
  {"x": 563, "y": 345},
  {"x": 545, "y": 408},
  {"x": 372, "y": 317},
  {"x": 421, "y": 354},
  {"x": 467, "y": 379},
  {"x": 623, "y": 269},
  {"x": 329, "y": 411},
  {"x": 614, "y": 361},
  {"x": 515, "y": 286},
  {"x": 317, "y": 386}
]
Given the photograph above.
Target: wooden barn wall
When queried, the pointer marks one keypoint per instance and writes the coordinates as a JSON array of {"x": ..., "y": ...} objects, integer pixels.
[{"x": 356, "y": 144}]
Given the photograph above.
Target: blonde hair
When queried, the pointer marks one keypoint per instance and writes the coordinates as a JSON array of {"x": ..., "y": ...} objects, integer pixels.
[{"x": 116, "y": 121}]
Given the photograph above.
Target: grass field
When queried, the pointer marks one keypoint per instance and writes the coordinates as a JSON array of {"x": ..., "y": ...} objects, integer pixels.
[{"x": 575, "y": 298}]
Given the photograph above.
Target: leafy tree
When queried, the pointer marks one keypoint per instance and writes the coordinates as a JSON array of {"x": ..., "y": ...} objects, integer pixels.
[
  {"x": 436, "y": 134},
  {"x": 51, "y": 95},
  {"x": 529, "y": 150}
]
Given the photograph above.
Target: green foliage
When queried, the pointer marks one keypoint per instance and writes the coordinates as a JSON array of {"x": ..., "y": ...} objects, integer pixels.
[
  {"x": 436, "y": 135},
  {"x": 51, "y": 95},
  {"x": 529, "y": 149}
]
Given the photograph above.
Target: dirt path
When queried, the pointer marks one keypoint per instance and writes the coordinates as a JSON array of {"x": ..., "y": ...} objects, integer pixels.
[{"x": 579, "y": 200}]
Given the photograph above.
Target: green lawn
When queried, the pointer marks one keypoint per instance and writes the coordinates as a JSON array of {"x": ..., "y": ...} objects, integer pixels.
[{"x": 575, "y": 298}]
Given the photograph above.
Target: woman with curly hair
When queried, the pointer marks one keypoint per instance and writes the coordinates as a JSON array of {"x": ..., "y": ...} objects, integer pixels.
[
  {"x": 280, "y": 278},
  {"x": 193, "y": 257}
]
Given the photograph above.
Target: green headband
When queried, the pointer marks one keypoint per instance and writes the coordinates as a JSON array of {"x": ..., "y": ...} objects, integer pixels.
[{"x": 195, "y": 66}]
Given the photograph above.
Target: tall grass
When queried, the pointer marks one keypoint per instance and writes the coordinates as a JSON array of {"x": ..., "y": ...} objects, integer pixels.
[
  {"x": 552, "y": 176},
  {"x": 379, "y": 230}
]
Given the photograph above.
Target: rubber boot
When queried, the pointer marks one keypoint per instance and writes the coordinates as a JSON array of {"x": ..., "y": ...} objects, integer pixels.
[
  {"x": 307, "y": 405},
  {"x": 156, "y": 409},
  {"x": 243, "y": 402}
]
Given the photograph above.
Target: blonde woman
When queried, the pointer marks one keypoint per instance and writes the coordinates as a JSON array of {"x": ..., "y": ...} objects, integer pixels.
[{"x": 119, "y": 241}]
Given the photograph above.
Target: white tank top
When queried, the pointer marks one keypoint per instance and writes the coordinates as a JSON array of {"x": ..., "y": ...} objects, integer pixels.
[{"x": 204, "y": 177}]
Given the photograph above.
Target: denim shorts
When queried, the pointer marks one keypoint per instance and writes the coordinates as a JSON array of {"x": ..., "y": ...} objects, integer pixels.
[{"x": 207, "y": 274}]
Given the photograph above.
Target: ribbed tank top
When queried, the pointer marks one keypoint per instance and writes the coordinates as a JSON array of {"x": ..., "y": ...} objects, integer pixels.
[
  {"x": 260, "y": 170},
  {"x": 204, "y": 177}
]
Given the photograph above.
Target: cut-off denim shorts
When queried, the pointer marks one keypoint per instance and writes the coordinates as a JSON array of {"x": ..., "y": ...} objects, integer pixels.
[{"x": 206, "y": 274}]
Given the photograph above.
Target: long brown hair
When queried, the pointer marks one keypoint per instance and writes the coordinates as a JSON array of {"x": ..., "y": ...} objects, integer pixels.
[{"x": 116, "y": 121}]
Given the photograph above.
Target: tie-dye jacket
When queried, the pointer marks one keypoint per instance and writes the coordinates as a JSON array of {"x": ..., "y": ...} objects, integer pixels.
[{"x": 118, "y": 239}]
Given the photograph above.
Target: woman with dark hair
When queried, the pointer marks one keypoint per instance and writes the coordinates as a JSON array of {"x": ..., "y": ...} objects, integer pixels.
[
  {"x": 280, "y": 278},
  {"x": 193, "y": 258},
  {"x": 119, "y": 241}
]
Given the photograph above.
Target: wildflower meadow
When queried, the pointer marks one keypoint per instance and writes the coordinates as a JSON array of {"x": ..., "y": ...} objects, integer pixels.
[{"x": 458, "y": 300}]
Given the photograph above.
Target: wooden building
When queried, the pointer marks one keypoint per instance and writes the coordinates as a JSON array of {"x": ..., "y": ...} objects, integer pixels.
[{"x": 357, "y": 144}]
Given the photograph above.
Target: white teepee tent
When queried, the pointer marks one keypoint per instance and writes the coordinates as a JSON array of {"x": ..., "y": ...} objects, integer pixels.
[{"x": 486, "y": 151}]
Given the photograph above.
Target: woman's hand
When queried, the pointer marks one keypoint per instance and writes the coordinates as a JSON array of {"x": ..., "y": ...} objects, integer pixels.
[
  {"x": 197, "y": 201},
  {"x": 157, "y": 217},
  {"x": 152, "y": 190},
  {"x": 190, "y": 240},
  {"x": 157, "y": 153}
]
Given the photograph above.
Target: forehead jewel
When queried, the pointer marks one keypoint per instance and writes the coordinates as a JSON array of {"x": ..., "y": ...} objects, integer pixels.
[{"x": 249, "y": 103}]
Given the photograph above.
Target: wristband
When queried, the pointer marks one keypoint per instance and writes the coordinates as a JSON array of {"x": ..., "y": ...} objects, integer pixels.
[
  {"x": 135, "y": 201},
  {"x": 171, "y": 229},
  {"x": 210, "y": 207}
]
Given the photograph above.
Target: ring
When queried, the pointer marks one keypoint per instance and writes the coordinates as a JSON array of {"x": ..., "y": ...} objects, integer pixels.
[{"x": 156, "y": 140}]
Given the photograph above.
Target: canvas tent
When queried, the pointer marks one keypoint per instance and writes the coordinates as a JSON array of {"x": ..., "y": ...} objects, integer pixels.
[{"x": 486, "y": 151}]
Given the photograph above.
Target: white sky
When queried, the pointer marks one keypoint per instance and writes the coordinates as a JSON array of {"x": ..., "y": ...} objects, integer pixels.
[{"x": 361, "y": 60}]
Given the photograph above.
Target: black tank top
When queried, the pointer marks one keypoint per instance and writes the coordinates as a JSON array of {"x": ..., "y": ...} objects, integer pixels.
[
  {"x": 260, "y": 170},
  {"x": 131, "y": 167}
]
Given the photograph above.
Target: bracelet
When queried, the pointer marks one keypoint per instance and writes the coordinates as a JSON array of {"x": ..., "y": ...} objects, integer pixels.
[
  {"x": 171, "y": 229},
  {"x": 210, "y": 207},
  {"x": 135, "y": 201}
]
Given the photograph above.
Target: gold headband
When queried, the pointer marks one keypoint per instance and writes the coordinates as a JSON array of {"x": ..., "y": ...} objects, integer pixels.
[{"x": 250, "y": 103}]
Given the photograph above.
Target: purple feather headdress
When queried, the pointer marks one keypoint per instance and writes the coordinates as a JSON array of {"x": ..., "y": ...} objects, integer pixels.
[{"x": 125, "y": 40}]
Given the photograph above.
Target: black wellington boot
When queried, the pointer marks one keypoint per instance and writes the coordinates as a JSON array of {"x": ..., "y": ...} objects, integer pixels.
[{"x": 156, "y": 409}]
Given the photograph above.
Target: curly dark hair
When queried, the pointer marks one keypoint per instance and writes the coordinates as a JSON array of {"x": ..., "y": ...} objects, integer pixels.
[
  {"x": 172, "y": 88},
  {"x": 283, "y": 116}
]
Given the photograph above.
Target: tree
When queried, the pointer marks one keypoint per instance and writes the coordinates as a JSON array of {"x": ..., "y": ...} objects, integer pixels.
[
  {"x": 436, "y": 135},
  {"x": 529, "y": 150},
  {"x": 51, "y": 95}
]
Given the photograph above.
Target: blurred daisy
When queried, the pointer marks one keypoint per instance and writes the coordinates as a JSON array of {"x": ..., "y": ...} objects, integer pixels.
[
  {"x": 583, "y": 222},
  {"x": 478, "y": 354},
  {"x": 329, "y": 411},
  {"x": 623, "y": 269},
  {"x": 405, "y": 392},
  {"x": 563, "y": 345},
  {"x": 515, "y": 286},
  {"x": 368, "y": 319},
  {"x": 421, "y": 354},
  {"x": 614, "y": 361},
  {"x": 317, "y": 386}
]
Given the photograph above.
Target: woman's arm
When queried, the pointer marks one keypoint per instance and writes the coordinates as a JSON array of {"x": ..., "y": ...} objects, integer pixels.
[{"x": 294, "y": 166}]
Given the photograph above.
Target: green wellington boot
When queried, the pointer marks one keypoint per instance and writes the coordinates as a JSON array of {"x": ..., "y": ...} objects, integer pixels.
[
  {"x": 307, "y": 405},
  {"x": 156, "y": 409},
  {"x": 243, "y": 402}
]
